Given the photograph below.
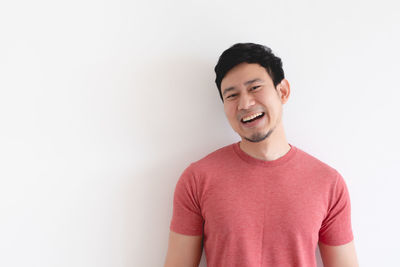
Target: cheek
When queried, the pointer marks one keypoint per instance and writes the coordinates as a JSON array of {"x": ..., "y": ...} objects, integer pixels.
[{"x": 275, "y": 112}]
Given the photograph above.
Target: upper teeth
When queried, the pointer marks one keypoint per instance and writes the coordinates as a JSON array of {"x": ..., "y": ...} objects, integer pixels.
[{"x": 251, "y": 116}]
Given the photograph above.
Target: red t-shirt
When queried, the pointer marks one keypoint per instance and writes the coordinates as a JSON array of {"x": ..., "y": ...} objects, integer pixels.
[{"x": 253, "y": 212}]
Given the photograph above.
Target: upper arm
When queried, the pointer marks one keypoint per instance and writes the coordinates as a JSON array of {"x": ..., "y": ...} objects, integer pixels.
[
  {"x": 338, "y": 256},
  {"x": 184, "y": 250}
]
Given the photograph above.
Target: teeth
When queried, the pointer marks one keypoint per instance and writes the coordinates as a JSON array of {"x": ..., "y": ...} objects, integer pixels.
[{"x": 251, "y": 116}]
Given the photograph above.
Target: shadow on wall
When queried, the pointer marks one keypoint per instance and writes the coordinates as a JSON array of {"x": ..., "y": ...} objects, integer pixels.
[
  {"x": 318, "y": 257},
  {"x": 149, "y": 202}
]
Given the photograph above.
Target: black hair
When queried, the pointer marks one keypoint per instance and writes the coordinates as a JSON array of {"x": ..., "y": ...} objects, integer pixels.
[{"x": 249, "y": 53}]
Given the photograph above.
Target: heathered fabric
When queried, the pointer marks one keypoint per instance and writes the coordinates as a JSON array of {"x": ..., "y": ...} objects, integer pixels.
[{"x": 256, "y": 213}]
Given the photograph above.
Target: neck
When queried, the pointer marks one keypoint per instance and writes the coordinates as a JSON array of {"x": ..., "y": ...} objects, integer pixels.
[{"x": 272, "y": 148}]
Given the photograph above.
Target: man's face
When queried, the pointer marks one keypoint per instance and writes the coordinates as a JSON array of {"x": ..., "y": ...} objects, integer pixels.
[{"x": 252, "y": 104}]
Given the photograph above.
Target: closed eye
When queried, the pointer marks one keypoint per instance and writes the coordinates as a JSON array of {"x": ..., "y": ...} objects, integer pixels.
[{"x": 232, "y": 95}]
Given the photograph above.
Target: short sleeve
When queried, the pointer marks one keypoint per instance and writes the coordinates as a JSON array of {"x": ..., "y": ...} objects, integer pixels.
[
  {"x": 186, "y": 216},
  {"x": 336, "y": 227}
]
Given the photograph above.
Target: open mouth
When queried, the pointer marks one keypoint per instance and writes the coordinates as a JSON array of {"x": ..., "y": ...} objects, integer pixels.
[{"x": 252, "y": 117}]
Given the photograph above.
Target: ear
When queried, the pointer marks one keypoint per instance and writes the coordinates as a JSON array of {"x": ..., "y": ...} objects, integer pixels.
[{"x": 284, "y": 90}]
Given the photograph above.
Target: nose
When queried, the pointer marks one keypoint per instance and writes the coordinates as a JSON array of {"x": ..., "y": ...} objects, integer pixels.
[{"x": 245, "y": 101}]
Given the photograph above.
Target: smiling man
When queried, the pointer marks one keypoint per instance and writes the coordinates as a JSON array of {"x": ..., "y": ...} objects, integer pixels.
[{"x": 261, "y": 201}]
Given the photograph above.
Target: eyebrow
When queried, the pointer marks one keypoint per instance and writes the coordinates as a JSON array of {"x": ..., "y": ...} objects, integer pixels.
[{"x": 246, "y": 83}]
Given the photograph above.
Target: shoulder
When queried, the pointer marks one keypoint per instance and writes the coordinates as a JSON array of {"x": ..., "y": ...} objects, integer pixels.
[
  {"x": 215, "y": 158},
  {"x": 319, "y": 168},
  {"x": 198, "y": 172},
  {"x": 212, "y": 161},
  {"x": 327, "y": 179}
]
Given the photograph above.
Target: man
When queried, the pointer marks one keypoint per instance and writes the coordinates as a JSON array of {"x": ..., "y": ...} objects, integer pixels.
[{"x": 260, "y": 201}]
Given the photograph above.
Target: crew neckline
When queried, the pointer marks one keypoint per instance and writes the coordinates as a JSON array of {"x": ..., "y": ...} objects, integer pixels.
[{"x": 266, "y": 163}]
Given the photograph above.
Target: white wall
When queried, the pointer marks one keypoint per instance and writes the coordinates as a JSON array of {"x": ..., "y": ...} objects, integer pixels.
[{"x": 104, "y": 103}]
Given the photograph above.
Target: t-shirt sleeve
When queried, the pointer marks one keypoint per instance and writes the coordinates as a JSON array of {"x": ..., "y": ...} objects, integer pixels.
[
  {"x": 336, "y": 228},
  {"x": 186, "y": 216}
]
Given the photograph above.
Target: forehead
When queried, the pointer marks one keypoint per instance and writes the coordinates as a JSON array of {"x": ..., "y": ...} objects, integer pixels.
[{"x": 244, "y": 72}]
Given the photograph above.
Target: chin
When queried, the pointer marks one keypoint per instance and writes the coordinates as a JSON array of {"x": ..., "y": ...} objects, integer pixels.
[{"x": 257, "y": 137}]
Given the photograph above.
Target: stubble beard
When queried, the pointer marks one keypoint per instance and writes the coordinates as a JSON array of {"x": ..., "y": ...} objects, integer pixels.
[{"x": 258, "y": 137}]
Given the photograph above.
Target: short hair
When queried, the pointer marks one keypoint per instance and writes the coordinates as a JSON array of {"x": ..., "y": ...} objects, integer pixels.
[{"x": 249, "y": 53}]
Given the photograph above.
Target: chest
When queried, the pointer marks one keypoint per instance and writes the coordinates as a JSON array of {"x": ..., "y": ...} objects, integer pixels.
[{"x": 274, "y": 206}]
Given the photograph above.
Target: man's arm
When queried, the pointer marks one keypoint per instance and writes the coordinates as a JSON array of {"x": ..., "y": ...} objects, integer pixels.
[
  {"x": 183, "y": 250},
  {"x": 338, "y": 256}
]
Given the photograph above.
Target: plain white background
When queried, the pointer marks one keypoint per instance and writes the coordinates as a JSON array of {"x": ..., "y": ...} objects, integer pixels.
[{"x": 104, "y": 103}]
